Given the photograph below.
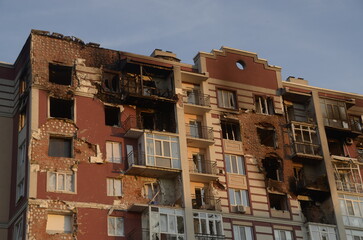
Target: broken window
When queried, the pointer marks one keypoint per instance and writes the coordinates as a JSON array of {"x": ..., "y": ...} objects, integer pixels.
[
  {"x": 61, "y": 108},
  {"x": 59, "y": 223},
  {"x": 115, "y": 226},
  {"x": 20, "y": 188},
  {"x": 147, "y": 120},
  {"x": 60, "y": 74},
  {"x": 111, "y": 81},
  {"x": 60, "y": 147},
  {"x": 267, "y": 136},
  {"x": 238, "y": 197},
  {"x": 151, "y": 191},
  {"x": 112, "y": 116},
  {"x": 264, "y": 105},
  {"x": 61, "y": 182},
  {"x": 334, "y": 113},
  {"x": 297, "y": 112},
  {"x": 199, "y": 164},
  {"x": 347, "y": 176},
  {"x": 114, "y": 187},
  {"x": 278, "y": 201},
  {"x": 226, "y": 99},
  {"x": 231, "y": 130},
  {"x": 273, "y": 168},
  {"x": 282, "y": 235},
  {"x": 242, "y": 232},
  {"x": 207, "y": 224},
  {"x": 336, "y": 147},
  {"x": 235, "y": 164},
  {"x": 113, "y": 152},
  {"x": 356, "y": 123},
  {"x": 352, "y": 210},
  {"x": 22, "y": 120}
]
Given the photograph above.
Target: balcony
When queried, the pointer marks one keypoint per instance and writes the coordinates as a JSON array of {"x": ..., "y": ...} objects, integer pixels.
[
  {"x": 200, "y": 236},
  {"x": 199, "y": 136},
  {"x": 158, "y": 167},
  {"x": 203, "y": 170},
  {"x": 132, "y": 127},
  {"x": 196, "y": 103},
  {"x": 306, "y": 150},
  {"x": 206, "y": 202},
  {"x": 349, "y": 187}
]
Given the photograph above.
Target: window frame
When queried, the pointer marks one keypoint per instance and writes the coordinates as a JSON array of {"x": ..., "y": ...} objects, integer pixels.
[
  {"x": 70, "y": 139},
  {"x": 67, "y": 217},
  {"x": 248, "y": 235},
  {"x": 277, "y": 234},
  {"x": 71, "y": 102},
  {"x": 65, "y": 68},
  {"x": 115, "y": 192},
  {"x": 216, "y": 219},
  {"x": 112, "y": 158},
  {"x": 122, "y": 234},
  {"x": 243, "y": 196},
  {"x": 265, "y": 105},
  {"x": 223, "y": 99},
  {"x": 112, "y": 108},
  {"x": 239, "y": 163},
  {"x": 235, "y": 132},
  {"x": 65, "y": 184},
  {"x": 18, "y": 231}
]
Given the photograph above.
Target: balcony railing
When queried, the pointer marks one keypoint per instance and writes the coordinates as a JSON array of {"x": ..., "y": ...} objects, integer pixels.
[
  {"x": 349, "y": 187},
  {"x": 306, "y": 148},
  {"x": 196, "y": 98},
  {"x": 206, "y": 202},
  {"x": 203, "y": 166},
  {"x": 201, "y": 132},
  {"x": 201, "y": 236},
  {"x": 131, "y": 122}
]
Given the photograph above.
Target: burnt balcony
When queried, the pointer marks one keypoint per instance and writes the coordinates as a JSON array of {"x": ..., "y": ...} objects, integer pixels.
[
  {"x": 349, "y": 186},
  {"x": 206, "y": 202},
  {"x": 203, "y": 170},
  {"x": 306, "y": 150},
  {"x": 132, "y": 127},
  {"x": 201, "y": 236},
  {"x": 195, "y": 102},
  {"x": 199, "y": 136},
  {"x": 153, "y": 166}
]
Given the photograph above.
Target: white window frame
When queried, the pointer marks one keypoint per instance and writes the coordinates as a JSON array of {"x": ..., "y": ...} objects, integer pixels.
[
  {"x": 283, "y": 234},
  {"x": 113, "y": 152},
  {"x": 242, "y": 232},
  {"x": 112, "y": 188},
  {"x": 215, "y": 219},
  {"x": 57, "y": 188},
  {"x": 171, "y": 216},
  {"x": 227, "y": 99},
  {"x": 117, "y": 232},
  {"x": 235, "y": 194},
  {"x": 18, "y": 229},
  {"x": 152, "y": 188},
  {"x": 263, "y": 103},
  {"x": 322, "y": 232},
  {"x": 237, "y": 161},
  {"x": 355, "y": 219}
]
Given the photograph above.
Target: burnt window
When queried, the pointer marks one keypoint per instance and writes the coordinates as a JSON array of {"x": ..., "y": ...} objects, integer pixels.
[
  {"x": 267, "y": 136},
  {"x": 277, "y": 201},
  {"x": 60, "y": 74},
  {"x": 264, "y": 105},
  {"x": 61, "y": 108},
  {"x": 111, "y": 81},
  {"x": 273, "y": 168},
  {"x": 112, "y": 116},
  {"x": 147, "y": 120},
  {"x": 231, "y": 130},
  {"x": 60, "y": 147},
  {"x": 336, "y": 147}
]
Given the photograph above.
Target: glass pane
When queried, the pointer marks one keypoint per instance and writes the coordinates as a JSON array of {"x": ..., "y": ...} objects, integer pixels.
[
  {"x": 180, "y": 223},
  {"x": 203, "y": 224},
  {"x": 172, "y": 224},
  {"x": 234, "y": 164},
  {"x": 163, "y": 223},
  {"x": 245, "y": 198},
  {"x": 158, "y": 150},
  {"x": 119, "y": 226},
  {"x": 231, "y": 196},
  {"x": 240, "y": 165},
  {"x": 61, "y": 182},
  {"x": 166, "y": 146},
  {"x": 69, "y": 183},
  {"x": 118, "y": 187},
  {"x": 175, "y": 150},
  {"x": 52, "y": 181},
  {"x": 238, "y": 197},
  {"x": 150, "y": 146},
  {"x": 196, "y": 225},
  {"x": 228, "y": 163},
  {"x": 111, "y": 226},
  {"x": 350, "y": 208}
]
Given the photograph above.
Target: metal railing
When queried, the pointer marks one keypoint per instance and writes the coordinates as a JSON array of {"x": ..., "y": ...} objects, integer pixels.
[
  {"x": 202, "y": 166},
  {"x": 196, "y": 98},
  {"x": 201, "y": 236},
  {"x": 206, "y": 202},
  {"x": 131, "y": 122},
  {"x": 349, "y": 187},
  {"x": 306, "y": 148},
  {"x": 196, "y": 131}
]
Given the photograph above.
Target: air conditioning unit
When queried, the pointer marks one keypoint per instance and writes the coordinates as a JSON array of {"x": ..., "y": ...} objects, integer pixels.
[
  {"x": 349, "y": 141},
  {"x": 241, "y": 209}
]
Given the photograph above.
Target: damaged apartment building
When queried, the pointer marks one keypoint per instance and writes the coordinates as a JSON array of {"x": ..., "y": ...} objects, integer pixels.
[{"x": 106, "y": 144}]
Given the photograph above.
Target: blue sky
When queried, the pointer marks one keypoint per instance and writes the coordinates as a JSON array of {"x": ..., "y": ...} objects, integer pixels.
[{"x": 319, "y": 40}]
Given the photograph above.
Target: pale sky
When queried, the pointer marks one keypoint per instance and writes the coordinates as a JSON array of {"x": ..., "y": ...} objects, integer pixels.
[{"x": 318, "y": 40}]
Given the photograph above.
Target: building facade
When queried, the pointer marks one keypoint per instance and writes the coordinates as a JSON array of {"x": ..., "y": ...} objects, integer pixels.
[{"x": 105, "y": 144}]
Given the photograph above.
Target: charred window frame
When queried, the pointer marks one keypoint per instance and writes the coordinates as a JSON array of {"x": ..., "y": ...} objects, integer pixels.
[
  {"x": 336, "y": 147},
  {"x": 273, "y": 168},
  {"x": 61, "y": 108},
  {"x": 60, "y": 147},
  {"x": 334, "y": 113},
  {"x": 264, "y": 105},
  {"x": 356, "y": 123},
  {"x": 111, "y": 81},
  {"x": 60, "y": 74},
  {"x": 231, "y": 130},
  {"x": 227, "y": 99},
  {"x": 297, "y": 112},
  {"x": 112, "y": 116},
  {"x": 278, "y": 201},
  {"x": 267, "y": 136}
]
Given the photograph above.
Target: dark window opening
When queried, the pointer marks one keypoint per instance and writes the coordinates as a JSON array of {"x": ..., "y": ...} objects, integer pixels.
[
  {"x": 147, "y": 121},
  {"x": 111, "y": 81},
  {"x": 336, "y": 147},
  {"x": 267, "y": 136},
  {"x": 264, "y": 105},
  {"x": 112, "y": 116},
  {"x": 60, "y": 147},
  {"x": 60, "y": 74},
  {"x": 231, "y": 130},
  {"x": 278, "y": 202},
  {"x": 273, "y": 168},
  {"x": 60, "y": 108}
]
